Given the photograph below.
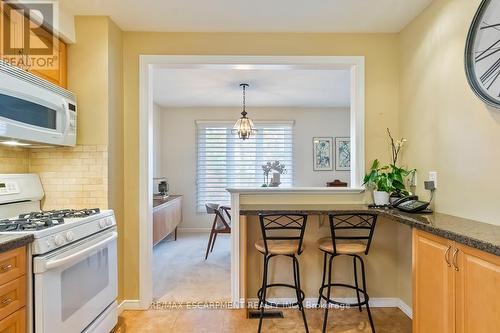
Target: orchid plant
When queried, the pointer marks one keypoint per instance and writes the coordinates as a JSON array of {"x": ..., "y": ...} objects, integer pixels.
[
  {"x": 390, "y": 178},
  {"x": 272, "y": 166}
]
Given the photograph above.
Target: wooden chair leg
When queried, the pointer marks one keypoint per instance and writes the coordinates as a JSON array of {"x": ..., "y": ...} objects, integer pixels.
[
  {"x": 209, "y": 243},
  {"x": 212, "y": 231},
  {"x": 213, "y": 242}
]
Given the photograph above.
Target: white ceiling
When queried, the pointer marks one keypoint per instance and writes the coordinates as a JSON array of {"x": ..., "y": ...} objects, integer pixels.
[
  {"x": 254, "y": 15},
  {"x": 268, "y": 88}
]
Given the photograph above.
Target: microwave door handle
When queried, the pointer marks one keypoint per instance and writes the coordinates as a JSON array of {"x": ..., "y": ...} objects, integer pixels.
[
  {"x": 51, "y": 264},
  {"x": 68, "y": 120}
]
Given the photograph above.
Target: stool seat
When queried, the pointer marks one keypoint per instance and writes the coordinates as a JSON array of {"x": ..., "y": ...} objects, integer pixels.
[
  {"x": 281, "y": 247},
  {"x": 325, "y": 244}
]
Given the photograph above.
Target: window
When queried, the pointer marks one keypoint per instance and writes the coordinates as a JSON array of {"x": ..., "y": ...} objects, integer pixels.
[{"x": 226, "y": 161}]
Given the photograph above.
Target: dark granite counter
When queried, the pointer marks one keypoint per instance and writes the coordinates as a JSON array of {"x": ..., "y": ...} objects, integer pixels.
[
  {"x": 482, "y": 236},
  {"x": 161, "y": 201},
  {"x": 12, "y": 241}
]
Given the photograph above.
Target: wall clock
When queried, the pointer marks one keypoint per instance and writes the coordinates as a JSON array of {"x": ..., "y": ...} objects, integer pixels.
[{"x": 482, "y": 53}]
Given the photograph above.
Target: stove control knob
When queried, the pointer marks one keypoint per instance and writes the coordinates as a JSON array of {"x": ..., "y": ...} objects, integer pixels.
[
  {"x": 102, "y": 224},
  {"x": 70, "y": 236},
  {"x": 59, "y": 240},
  {"x": 109, "y": 222},
  {"x": 48, "y": 244}
]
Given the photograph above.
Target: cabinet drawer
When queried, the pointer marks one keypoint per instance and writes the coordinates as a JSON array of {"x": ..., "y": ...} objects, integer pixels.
[
  {"x": 12, "y": 296},
  {"x": 12, "y": 264},
  {"x": 15, "y": 323}
]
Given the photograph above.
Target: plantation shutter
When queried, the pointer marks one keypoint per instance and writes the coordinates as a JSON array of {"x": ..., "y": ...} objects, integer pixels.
[{"x": 226, "y": 161}]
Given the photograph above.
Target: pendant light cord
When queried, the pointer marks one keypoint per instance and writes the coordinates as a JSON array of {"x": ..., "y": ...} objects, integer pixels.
[{"x": 244, "y": 86}]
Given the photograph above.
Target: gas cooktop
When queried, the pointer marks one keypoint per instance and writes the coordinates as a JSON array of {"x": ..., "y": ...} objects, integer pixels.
[{"x": 35, "y": 221}]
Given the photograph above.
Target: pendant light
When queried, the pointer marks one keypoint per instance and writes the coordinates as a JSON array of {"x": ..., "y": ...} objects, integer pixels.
[{"x": 244, "y": 126}]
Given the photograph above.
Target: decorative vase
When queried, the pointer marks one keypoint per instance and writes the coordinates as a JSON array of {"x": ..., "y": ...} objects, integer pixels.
[
  {"x": 381, "y": 198},
  {"x": 276, "y": 180}
]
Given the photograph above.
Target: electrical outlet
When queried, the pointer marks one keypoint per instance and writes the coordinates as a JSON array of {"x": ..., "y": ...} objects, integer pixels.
[{"x": 433, "y": 176}]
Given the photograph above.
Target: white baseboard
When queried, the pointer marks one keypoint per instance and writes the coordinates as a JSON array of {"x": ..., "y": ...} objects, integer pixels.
[
  {"x": 187, "y": 230},
  {"x": 382, "y": 302},
  {"x": 407, "y": 310},
  {"x": 129, "y": 304}
]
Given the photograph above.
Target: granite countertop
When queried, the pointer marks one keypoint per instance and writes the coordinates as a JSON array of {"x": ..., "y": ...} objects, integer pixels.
[
  {"x": 479, "y": 235},
  {"x": 12, "y": 241},
  {"x": 161, "y": 201}
]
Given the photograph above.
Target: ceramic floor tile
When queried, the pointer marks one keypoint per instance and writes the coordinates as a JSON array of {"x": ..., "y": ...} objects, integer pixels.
[{"x": 387, "y": 320}]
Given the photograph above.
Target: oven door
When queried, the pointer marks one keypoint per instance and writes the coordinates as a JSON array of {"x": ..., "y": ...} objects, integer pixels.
[{"x": 74, "y": 285}]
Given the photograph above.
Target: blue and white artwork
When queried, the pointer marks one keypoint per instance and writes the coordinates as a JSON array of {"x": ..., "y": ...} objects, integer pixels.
[
  {"x": 343, "y": 154},
  {"x": 323, "y": 154}
]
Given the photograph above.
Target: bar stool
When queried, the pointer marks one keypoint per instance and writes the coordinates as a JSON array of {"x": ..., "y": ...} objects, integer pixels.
[
  {"x": 282, "y": 235},
  {"x": 351, "y": 235}
]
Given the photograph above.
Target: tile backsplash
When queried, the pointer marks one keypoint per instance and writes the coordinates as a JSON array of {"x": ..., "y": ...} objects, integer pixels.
[
  {"x": 14, "y": 160},
  {"x": 72, "y": 177}
]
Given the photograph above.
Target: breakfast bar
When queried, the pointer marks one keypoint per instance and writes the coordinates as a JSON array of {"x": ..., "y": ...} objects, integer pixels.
[{"x": 412, "y": 256}]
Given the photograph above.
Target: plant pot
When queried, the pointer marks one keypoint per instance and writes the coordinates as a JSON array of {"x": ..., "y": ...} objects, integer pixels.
[{"x": 380, "y": 198}]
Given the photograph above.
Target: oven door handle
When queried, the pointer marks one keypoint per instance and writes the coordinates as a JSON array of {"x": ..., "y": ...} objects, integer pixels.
[{"x": 54, "y": 263}]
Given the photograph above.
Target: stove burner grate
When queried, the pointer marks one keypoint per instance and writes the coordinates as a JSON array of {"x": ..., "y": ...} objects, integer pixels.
[
  {"x": 42, "y": 220},
  {"x": 63, "y": 213},
  {"x": 33, "y": 224}
]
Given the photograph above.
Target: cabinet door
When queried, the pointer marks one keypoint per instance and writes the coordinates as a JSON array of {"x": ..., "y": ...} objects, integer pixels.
[
  {"x": 15, "y": 323},
  {"x": 477, "y": 291},
  {"x": 433, "y": 284},
  {"x": 57, "y": 75}
]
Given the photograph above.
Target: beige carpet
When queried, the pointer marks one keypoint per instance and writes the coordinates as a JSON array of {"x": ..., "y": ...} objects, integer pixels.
[{"x": 181, "y": 273}]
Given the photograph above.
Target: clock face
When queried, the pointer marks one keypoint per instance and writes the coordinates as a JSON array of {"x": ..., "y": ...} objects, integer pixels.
[{"x": 482, "y": 53}]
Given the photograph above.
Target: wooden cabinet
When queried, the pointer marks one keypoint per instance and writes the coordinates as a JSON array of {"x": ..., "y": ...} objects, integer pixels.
[
  {"x": 433, "y": 296},
  {"x": 13, "y": 291},
  {"x": 166, "y": 218},
  {"x": 477, "y": 291},
  {"x": 52, "y": 68},
  {"x": 15, "y": 323},
  {"x": 455, "y": 288}
]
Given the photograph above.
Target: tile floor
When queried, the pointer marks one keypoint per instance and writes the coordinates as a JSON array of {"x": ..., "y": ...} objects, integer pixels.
[{"x": 387, "y": 320}]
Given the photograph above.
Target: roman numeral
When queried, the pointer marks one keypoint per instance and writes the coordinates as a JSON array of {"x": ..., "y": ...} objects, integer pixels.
[
  {"x": 491, "y": 51},
  {"x": 489, "y": 26},
  {"x": 491, "y": 75}
]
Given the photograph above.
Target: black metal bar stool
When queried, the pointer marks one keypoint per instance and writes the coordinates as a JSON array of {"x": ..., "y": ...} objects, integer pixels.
[
  {"x": 282, "y": 235},
  {"x": 351, "y": 235}
]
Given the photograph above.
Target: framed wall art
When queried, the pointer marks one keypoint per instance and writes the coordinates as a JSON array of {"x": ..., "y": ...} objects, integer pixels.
[
  {"x": 342, "y": 154},
  {"x": 322, "y": 154}
]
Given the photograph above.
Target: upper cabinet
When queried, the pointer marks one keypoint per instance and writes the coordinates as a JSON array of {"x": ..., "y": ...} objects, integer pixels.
[
  {"x": 455, "y": 288},
  {"x": 34, "y": 49}
]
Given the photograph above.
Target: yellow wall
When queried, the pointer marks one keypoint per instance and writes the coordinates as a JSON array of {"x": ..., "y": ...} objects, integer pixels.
[
  {"x": 380, "y": 50},
  {"x": 88, "y": 78},
  {"x": 115, "y": 136},
  {"x": 95, "y": 74},
  {"x": 449, "y": 129}
]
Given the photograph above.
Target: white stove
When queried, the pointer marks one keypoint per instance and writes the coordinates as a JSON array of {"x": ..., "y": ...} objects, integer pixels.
[
  {"x": 55, "y": 229},
  {"x": 72, "y": 264}
]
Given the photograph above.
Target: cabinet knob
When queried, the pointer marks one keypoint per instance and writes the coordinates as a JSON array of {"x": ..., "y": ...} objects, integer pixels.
[
  {"x": 6, "y": 301},
  {"x": 6, "y": 268}
]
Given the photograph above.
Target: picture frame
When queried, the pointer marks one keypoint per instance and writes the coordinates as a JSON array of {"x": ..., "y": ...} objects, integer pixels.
[
  {"x": 343, "y": 154},
  {"x": 323, "y": 153}
]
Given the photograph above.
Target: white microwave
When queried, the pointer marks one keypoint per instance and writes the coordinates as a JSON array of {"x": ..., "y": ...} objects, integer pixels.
[{"x": 34, "y": 111}]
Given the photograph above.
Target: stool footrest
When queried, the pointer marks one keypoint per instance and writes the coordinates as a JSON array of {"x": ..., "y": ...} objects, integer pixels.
[
  {"x": 281, "y": 305},
  {"x": 331, "y": 301}
]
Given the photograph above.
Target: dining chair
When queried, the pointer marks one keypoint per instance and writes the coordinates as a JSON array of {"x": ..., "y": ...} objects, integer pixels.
[{"x": 220, "y": 225}]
